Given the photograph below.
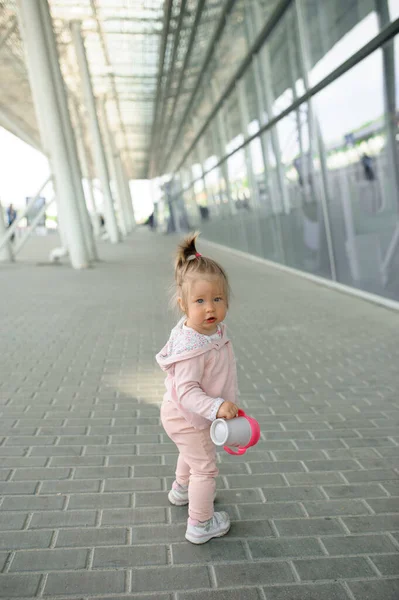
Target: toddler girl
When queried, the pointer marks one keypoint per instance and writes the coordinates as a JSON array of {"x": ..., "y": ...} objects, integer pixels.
[{"x": 201, "y": 385}]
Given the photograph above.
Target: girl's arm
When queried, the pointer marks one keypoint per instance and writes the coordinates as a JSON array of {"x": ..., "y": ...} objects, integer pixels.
[{"x": 188, "y": 377}]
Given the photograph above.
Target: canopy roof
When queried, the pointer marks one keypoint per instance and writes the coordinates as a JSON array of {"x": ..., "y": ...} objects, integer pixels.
[{"x": 148, "y": 59}]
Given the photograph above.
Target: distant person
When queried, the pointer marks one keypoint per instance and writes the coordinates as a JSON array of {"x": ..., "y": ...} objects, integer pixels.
[
  {"x": 150, "y": 221},
  {"x": 368, "y": 167},
  {"x": 11, "y": 217},
  {"x": 201, "y": 386}
]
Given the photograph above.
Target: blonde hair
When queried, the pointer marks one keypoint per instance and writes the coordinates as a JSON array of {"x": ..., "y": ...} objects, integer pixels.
[{"x": 190, "y": 264}]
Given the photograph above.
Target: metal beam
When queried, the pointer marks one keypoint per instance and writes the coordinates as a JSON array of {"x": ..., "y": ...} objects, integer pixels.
[
  {"x": 194, "y": 30},
  {"x": 165, "y": 32},
  {"x": 165, "y": 94},
  {"x": 228, "y": 7}
]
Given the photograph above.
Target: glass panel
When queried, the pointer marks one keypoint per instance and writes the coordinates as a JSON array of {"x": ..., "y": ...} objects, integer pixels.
[
  {"x": 337, "y": 30},
  {"x": 363, "y": 175}
]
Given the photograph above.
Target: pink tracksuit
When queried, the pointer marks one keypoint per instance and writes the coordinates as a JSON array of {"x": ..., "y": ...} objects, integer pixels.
[{"x": 201, "y": 374}]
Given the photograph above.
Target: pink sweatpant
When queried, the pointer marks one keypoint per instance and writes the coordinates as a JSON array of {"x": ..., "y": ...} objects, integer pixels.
[{"x": 196, "y": 464}]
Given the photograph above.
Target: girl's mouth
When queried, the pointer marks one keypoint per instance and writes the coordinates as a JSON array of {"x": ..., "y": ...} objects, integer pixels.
[{"x": 211, "y": 320}]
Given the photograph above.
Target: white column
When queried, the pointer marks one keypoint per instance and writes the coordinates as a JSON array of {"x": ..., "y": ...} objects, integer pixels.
[
  {"x": 128, "y": 194},
  {"x": 51, "y": 129},
  {"x": 62, "y": 97},
  {"x": 126, "y": 200},
  {"x": 98, "y": 148},
  {"x": 6, "y": 254},
  {"x": 111, "y": 152},
  {"x": 85, "y": 168}
]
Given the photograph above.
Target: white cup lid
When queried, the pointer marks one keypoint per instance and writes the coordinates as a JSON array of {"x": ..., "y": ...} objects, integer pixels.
[{"x": 220, "y": 432}]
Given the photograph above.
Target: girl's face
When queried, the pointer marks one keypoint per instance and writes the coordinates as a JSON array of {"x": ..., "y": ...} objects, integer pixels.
[{"x": 206, "y": 305}]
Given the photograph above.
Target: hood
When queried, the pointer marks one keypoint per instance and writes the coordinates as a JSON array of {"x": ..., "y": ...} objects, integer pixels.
[{"x": 186, "y": 343}]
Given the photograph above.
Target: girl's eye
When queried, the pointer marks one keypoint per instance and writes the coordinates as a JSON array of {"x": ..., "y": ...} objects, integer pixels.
[
  {"x": 200, "y": 300},
  {"x": 218, "y": 299}
]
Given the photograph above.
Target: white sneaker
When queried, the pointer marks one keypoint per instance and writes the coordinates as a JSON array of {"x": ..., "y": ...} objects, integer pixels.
[
  {"x": 178, "y": 495},
  {"x": 217, "y": 526}
]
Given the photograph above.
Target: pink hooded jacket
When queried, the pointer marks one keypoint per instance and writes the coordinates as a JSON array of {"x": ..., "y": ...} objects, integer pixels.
[{"x": 201, "y": 373}]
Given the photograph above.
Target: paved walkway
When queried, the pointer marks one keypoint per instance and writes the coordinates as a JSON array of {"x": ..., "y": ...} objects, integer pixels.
[{"x": 85, "y": 465}]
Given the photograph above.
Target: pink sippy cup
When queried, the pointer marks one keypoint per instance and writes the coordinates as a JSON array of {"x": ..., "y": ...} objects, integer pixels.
[{"x": 241, "y": 433}]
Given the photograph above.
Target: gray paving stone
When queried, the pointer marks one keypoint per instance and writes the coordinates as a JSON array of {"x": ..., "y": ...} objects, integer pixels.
[
  {"x": 276, "y": 467},
  {"x": 296, "y": 493},
  {"x": 248, "y": 529},
  {"x": 86, "y": 582},
  {"x": 384, "y": 505},
  {"x": 70, "y": 486},
  {"x": 11, "y": 488},
  {"x": 133, "y": 516},
  {"x": 22, "y": 461},
  {"x": 254, "y": 481},
  {"x": 387, "y": 564},
  {"x": 358, "y": 544},
  {"x": 270, "y": 510},
  {"x": 79, "y": 537},
  {"x": 4, "y": 474},
  {"x": 73, "y": 518},
  {"x": 238, "y": 496},
  {"x": 307, "y": 527},
  {"x": 100, "y": 472},
  {"x": 49, "y": 560},
  {"x": 17, "y": 586},
  {"x": 317, "y": 478},
  {"x": 32, "y": 503},
  {"x": 372, "y": 524},
  {"x": 331, "y": 508},
  {"x": 81, "y": 501},
  {"x": 56, "y": 451},
  {"x": 333, "y": 568},
  {"x": 230, "y": 594},
  {"x": 14, "y": 540},
  {"x": 285, "y": 548},
  {"x": 41, "y": 474},
  {"x": 391, "y": 488},
  {"x": 12, "y": 520},
  {"x": 139, "y": 556},
  {"x": 170, "y": 578},
  {"x": 219, "y": 551},
  {"x": 26, "y": 440},
  {"x": 327, "y": 591},
  {"x": 355, "y": 491},
  {"x": 262, "y": 573},
  {"x": 148, "y": 534},
  {"x": 371, "y": 475},
  {"x": 135, "y": 484},
  {"x": 152, "y": 461},
  {"x": 3, "y": 559},
  {"x": 376, "y": 589}
]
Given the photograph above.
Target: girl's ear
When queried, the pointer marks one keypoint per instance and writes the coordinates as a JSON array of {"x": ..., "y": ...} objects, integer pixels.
[{"x": 181, "y": 305}]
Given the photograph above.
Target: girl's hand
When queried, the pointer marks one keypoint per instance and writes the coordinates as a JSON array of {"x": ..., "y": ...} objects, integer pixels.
[{"x": 227, "y": 410}]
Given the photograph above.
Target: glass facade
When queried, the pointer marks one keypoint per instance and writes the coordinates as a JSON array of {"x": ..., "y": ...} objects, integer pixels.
[{"x": 299, "y": 164}]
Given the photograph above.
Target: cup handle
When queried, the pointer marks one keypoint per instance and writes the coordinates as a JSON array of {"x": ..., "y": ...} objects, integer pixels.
[{"x": 239, "y": 452}]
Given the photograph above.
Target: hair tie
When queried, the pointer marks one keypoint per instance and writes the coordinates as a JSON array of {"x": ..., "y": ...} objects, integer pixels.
[{"x": 194, "y": 256}]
